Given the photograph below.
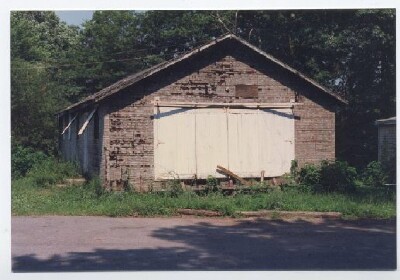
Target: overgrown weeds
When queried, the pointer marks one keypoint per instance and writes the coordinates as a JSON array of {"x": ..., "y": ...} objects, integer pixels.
[
  {"x": 40, "y": 169},
  {"x": 91, "y": 199},
  {"x": 330, "y": 186},
  {"x": 51, "y": 171},
  {"x": 174, "y": 188}
]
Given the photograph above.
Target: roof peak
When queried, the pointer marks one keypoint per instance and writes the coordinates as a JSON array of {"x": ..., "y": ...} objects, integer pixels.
[{"x": 132, "y": 79}]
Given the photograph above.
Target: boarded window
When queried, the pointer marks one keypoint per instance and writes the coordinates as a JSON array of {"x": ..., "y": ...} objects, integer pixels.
[
  {"x": 96, "y": 125},
  {"x": 246, "y": 91}
]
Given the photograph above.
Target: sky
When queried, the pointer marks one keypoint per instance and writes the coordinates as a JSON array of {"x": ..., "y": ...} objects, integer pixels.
[{"x": 74, "y": 17}]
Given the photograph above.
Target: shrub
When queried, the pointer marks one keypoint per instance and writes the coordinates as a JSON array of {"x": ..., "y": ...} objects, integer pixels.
[
  {"x": 337, "y": 176},
  {"x": 23, "y": 159},
  {"x": 329, "y": 176},
  {"x": 51, "y": 171},
  {"x": 374, "y": 175},
  {"x": 309, "y": 175}
]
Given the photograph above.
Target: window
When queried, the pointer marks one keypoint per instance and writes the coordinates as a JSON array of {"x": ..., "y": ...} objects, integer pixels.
[
  {"x": 69, "y": 128},
  {"x": 65, "y": 123},
  {"x": 60, "y": 124},
  {"x": 96, "y": 125},
  {"x": 246, "y": 91},
  {"x": 60, "y": 130},
  {"x": 77, "y": 126}
]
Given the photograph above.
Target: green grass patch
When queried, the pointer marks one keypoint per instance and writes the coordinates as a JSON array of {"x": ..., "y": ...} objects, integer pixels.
[{"x": 30, "y": 199}]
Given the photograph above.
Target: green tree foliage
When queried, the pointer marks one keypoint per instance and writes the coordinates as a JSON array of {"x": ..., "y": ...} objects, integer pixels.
[
  {"x": 39, "y": 41},
  {"x": 351, "y": 52},
  {"x": 369, "y": 83},
  {"x": 172, "y": 32},
  {"x": 114, "y": 44},
  {"x": 23, "y": 159},
  {"x": 109, "y": 48}
]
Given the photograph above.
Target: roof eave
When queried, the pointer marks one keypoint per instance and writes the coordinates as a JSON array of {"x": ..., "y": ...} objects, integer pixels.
[
  {"x": 95, "y": 98},
  {"x": 294, "y": 71}
]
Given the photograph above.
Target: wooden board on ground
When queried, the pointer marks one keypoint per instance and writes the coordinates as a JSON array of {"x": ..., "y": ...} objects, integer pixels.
[{"x": 227, "y": 172}]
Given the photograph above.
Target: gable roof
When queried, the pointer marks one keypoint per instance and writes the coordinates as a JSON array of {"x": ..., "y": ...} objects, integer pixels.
[{"x": 132, "y": 79}]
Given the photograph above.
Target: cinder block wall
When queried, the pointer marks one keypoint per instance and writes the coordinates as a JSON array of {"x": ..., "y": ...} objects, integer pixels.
[{"x": 209, "y": 77}]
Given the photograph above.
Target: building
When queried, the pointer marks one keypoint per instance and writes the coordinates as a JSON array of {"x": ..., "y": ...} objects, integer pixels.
[
  {"x": 386, "y": 139},
  {"x": 225, "y": 103}
]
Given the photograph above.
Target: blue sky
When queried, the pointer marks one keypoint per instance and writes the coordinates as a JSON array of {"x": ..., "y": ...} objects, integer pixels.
[{"x": 74, "y": 17}]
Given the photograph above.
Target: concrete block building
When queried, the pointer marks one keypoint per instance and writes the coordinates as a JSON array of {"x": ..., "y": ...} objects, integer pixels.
[{"x": 225, "y": 103}]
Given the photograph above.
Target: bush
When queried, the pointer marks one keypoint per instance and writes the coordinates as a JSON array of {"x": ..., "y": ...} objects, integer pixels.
[
  {"x": 23, "y": 159},
  {"x": 310, "y": 175},
  {"x": 338, "y": 176},
  {"x": 51, "y": 171},
  {"x": 374, "y": 175},
  {"x": 329, "y": 176}
]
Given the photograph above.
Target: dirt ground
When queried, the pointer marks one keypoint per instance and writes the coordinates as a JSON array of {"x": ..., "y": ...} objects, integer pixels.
[{"x": 58, "y": 243}]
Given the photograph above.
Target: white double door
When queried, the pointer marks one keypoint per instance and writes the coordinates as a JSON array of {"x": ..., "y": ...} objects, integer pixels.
[{"x": 193, "y": 141}]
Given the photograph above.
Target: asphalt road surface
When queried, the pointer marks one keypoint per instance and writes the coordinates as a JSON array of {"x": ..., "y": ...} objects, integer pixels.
[{"x": 56, "y": 243}]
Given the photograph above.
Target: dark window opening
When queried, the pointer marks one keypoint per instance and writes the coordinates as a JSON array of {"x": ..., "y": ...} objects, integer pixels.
[
  {"x": 65, "y": 121},
  {"x": 246, "y": 91},
  {"x": 77, "y": 125},
  {"x": 60, "y": 124},
  {"x": 96, "y": 125},
  {"x": 60, "y": 130}
]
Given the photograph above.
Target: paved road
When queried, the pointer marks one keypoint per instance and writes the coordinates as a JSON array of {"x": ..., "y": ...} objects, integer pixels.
[{"x": 104, "y": 244}]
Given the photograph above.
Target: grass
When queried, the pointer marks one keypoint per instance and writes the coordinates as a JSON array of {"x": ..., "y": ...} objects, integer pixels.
[{"x": 29, "y": 199}]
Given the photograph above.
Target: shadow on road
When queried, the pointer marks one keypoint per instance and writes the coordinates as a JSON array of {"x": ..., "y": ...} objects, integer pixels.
[{"x": 245, "y": 245}]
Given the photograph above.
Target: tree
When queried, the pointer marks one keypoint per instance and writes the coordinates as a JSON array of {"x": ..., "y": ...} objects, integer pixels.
[
  {"x": 352, "y": 52},
  {"x": 107, "y": 49},
  {"x": 114, "y": 44},
  {"x": 39, "y": 41}
]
